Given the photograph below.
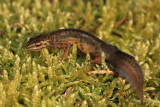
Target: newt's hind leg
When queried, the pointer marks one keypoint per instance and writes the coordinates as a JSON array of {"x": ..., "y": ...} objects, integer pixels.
[
  {"x": 62, "y": 45},
  {"x": 97, "y": 59}
]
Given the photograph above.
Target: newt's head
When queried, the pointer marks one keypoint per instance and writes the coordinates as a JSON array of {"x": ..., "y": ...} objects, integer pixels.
[{"x": 36, "y": 44}]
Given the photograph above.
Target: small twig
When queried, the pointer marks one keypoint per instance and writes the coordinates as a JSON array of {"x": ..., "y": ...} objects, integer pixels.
[
  {"x": 94, "y": 29},
  {"x": 94, "y": 3},
  {"x": 50, "y": 1},
  {"x": 1, "y": 32},
  {"x": 11, "y": 26},
  {"x": 1, "y": 72},
  {"x": 120, "y": 22},
  {"x": 77, "y": 102},
  {"x": 100, "y": 72},
  {"x": 80, "y": 102},
  {"x": 110, "y": 72},
  {"x": 72, "y": 1},
  {"x": 154, "y": 94},
  {"x": 65, "y": 94}
]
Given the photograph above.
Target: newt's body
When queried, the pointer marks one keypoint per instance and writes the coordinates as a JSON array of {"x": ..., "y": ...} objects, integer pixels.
[{"x": 125, "y": 64}]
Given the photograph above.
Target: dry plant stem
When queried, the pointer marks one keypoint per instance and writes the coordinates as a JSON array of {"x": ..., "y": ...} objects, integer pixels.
[
  {"x": 65, "y": 94},
  {"x": 120, "y": 22},
  {"x": 50, "y": 1},
  {"x": 77, "y": 102},
  {"x": 1, "y": 72},
  {"x": 110, "y": 72},
  {"x": 101, "y": 72},
  {"x": 80, "y": 102},
  {"x": 154, "y": 94},
  {"x": 94, "y": 29},
  {"x": 11, "y": 26}
]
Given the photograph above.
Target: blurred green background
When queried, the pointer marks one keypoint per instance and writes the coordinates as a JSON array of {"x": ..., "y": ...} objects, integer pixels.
[{"x": 40, "y": 78}]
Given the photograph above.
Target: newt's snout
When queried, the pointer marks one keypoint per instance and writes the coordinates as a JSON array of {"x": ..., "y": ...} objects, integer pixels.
[
  {"x": 128, "y": 68},
  {"x": 37, "y": 44}
]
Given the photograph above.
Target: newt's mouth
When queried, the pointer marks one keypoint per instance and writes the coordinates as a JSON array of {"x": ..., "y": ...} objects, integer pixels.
[{"x": 32, "y": 47}]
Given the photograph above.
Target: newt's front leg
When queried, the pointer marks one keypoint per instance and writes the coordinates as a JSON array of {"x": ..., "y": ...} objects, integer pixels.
[{"x": 62, "y": 45}]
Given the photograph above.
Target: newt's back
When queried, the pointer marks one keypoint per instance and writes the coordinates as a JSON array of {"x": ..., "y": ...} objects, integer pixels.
[{"x": 86, "y": 42}]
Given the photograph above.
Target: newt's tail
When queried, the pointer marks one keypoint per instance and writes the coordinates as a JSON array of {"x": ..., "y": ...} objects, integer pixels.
[{"x": 129, "y": 68}]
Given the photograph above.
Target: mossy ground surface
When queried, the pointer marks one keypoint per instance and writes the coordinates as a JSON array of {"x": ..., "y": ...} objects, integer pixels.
[{"x": 40, "y": 78}]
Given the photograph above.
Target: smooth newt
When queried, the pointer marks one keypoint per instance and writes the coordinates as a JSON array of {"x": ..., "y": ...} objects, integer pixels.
[{"x": 124, "y": 64}]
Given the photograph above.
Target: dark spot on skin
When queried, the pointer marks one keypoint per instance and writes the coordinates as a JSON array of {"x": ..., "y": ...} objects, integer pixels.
[
  {"x": 93, "y": 43},
  {"x": 139, "y": 77},
  {"x": 81, "y": 46},
  {"x": 76, "y": 37},
  {"x": 96, "y": 48},
  {"x": 81, "y": 40}
]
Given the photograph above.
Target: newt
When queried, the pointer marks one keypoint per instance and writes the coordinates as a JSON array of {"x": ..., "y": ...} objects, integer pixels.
[{"x": 120, "y": 62}]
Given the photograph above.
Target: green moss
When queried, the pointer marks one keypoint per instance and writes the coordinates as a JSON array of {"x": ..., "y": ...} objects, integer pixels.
[{"x": 40, "y": 78}]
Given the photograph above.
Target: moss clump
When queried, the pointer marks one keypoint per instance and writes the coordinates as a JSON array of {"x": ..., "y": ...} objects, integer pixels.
[{"x": 40, "y": 79}]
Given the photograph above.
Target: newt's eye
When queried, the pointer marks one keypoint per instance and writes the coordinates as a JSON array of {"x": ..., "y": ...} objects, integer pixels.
[{"x": 38, "y": 44}]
